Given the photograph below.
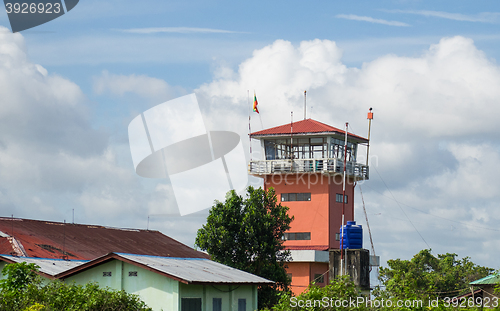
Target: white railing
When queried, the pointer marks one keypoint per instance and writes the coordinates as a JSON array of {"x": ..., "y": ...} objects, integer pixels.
[{"x": 326, "y": 166}]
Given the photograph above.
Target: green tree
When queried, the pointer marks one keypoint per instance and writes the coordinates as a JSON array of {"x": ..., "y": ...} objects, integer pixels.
[
  {"x": 428, "y": 276},
  {"x": 23, "y": 289},
  {"x": 339, "y": 294},
  {"x": 247, "y": 234},
  {"x": 19, "y": 276}
]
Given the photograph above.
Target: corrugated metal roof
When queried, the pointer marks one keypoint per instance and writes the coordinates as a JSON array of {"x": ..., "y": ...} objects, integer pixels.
[
  {"x": 490, "y": 279},
  {"x": 46, "y": 239},
  {"x": 196, "y": 270},
  {"x": 186, "y": 270},
  {"x": 48, "y": 266},
  {"x": 308, "y": 126}
]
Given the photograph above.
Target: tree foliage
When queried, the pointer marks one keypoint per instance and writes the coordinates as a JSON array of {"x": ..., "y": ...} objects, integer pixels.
[
  {"x": 419, "y": 284},
  {"x": 23, "y": 289},
  {"x": 247, "y": 234},
  {"x": 428, "y": 276},
  {"x": 316, "y": 298},
  {"x": 19, "y": 276}
]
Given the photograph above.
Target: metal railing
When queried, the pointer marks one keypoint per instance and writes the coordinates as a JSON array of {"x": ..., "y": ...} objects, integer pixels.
[{"x": 326, "y": 166}]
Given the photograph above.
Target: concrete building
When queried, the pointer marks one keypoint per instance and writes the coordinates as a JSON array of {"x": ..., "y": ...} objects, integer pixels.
[
  {"x": 303, "y": 162},
  {"x": 163, "y": 283},
  {"x": 167, "y": 275},
  {"x": 166, "y": 283}
]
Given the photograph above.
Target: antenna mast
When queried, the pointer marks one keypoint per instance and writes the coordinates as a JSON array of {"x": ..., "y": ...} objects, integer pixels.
[
  {"x": 370, "y": 118},
  {"x": 305, "y": 92}
]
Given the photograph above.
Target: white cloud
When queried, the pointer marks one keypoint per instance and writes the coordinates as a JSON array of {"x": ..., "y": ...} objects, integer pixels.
[
  {"x": 52, "y": 159},
  {"x": 484, "y": 17},
  {"x": 142, "y": 85},
  {"x": 371, "y": 20}
]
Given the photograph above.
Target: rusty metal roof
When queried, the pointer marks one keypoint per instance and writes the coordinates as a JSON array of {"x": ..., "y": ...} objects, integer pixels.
[
  {"x": 308, "y": 126},
  {"x": 185, "y": 270},
  {"x": 48, "y": 239},
  {"x": 49, "y": 267}
]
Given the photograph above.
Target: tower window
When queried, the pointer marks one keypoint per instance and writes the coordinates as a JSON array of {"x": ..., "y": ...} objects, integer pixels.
[
  {"x": 338, "y": 198},
  {"x": 287, "y": 197},
  {"x": 298, "y": 236}
]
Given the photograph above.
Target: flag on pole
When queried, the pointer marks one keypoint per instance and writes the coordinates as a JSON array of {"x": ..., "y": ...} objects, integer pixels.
[{"x": 255, "y": 103}]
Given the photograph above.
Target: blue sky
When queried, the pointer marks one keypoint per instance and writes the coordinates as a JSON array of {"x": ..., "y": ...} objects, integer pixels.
[
  {"x": 429, "y": 69},
  {"x": 93, "y": 35}
]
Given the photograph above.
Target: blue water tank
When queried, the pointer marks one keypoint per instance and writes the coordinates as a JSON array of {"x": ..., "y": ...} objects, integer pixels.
[{"x": 353, "y": 236}]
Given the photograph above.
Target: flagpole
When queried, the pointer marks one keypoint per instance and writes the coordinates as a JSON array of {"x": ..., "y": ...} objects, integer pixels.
[
  {"x": 291, "y": 134},
  {"x": 249, "y": 127}
]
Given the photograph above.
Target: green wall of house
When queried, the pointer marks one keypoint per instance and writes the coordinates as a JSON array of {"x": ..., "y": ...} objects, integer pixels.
[
  {"x": 159, "y": 292},
  {"x": 162, "y": 293},
  {"x": 229, "y": 294}
]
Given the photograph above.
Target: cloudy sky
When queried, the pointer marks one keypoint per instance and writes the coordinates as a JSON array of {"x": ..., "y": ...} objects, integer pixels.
[{"x": 69, "y": 89}]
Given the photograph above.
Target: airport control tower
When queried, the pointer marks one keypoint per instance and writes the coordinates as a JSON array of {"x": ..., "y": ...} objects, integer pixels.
[{"x": 304, "y": 162}]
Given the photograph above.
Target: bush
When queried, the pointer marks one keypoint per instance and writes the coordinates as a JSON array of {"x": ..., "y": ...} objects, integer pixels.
[
  {"x": 23, "y": 289},
  {"x": 317, "y": 298}
]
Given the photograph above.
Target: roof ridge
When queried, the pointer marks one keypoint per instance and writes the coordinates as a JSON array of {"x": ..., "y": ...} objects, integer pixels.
[
  {"x": 166, "y": 257},
  {"x": 58, "y": 223},
  {"x": 40, "y": 258},
  {"x": 306, "y": 126}
]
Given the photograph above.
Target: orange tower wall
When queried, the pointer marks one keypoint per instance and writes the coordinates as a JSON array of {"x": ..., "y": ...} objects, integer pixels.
[
  {"x": 303, "y": 274},
  {"x": 322, "y": 216}
]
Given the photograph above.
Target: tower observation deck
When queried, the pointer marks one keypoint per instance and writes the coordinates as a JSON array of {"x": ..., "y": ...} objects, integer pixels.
[{"x": 307, "y": 146}]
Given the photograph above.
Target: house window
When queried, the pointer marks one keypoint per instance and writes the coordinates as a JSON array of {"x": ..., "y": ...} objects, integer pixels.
[
  {"x": 191, "y": 304},
  {"x": 132, "y": 273},
  {"x": 107, "y": 273},
  {"x": 319, "y": 278},
  {"x": 289, "y": 276},
  {"x": 217, "y": 304},
  {"x": 337, "y": 236},
  {"x": 287, "y": 197},
  {"x": 298, "y": 236},
  {"x": 242, "y": 305},
  {"x": 338, "y": 198}
]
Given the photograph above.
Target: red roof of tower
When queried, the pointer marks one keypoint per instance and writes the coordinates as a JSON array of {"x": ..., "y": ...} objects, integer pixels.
[{"x": 308, "y": 126}]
